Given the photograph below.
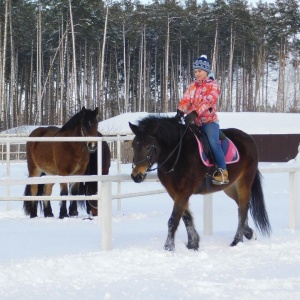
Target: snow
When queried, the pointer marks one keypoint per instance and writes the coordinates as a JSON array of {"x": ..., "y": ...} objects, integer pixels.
[
  {"x": 252, "y": 123},
  {"x": 62, "y": 259}
]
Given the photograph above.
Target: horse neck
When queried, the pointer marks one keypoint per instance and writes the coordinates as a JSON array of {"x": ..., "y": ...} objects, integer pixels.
[
  {"x": 168, "y": 152},
  {"x": 75, "y": 131}
]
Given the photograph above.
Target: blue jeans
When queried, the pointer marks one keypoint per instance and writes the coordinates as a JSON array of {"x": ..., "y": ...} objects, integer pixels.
[{"x": 212, "y": 132}]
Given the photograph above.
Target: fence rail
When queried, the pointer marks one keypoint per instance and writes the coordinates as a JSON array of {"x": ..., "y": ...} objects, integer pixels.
[
  {"x": 105, "y": 195},
  {"x": 13, "y": 146}
]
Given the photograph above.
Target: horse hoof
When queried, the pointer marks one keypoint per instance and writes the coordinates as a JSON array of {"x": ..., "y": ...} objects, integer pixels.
[
  {"x": 73, "y": 214},
  {"x": 49, "y": 215},
  {"x": 64, "y": 216},
  {"x": 33, "y": 216},
  {"x": 235, "y": 242},
  {"x": 250, "y": 235},
  {"x": 169, "y": 247},
  {"x": 193, "y": 247}
]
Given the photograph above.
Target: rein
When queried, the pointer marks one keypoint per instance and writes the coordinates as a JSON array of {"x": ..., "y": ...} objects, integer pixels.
[{"x": 179, "y": 145}]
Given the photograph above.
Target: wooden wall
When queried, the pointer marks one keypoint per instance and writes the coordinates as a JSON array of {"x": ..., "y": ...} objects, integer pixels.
[{"x": 277, "y": 147}]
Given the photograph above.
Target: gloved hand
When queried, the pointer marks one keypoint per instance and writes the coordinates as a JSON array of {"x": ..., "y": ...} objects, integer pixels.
[
  {"x": 179, "y": 115},
  {"x": 188, "y": 120}
]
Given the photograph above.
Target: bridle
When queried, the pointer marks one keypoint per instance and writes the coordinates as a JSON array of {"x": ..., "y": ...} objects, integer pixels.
[
  {"x": 150, "y": 154},
  {"x": 147, "y": 158}
]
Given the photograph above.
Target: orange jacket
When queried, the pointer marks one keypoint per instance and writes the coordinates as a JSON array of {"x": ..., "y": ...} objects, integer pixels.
[{"x": 202, "y": 97}]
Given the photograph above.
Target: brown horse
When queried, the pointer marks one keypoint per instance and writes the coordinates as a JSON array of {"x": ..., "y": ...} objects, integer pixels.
[
  {"x": 60, "y": 158},
  {"x": 85, "y": 188},
  {"x": 173, "y": 147}
]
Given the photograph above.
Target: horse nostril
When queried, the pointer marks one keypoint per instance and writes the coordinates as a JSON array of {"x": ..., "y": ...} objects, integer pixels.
[{"x": 139, "y": 177}]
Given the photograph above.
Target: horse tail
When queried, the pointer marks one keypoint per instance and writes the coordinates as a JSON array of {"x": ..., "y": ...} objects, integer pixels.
[
  {"x": 257, "y": 207},
  {"x": 82, "y": 204}
]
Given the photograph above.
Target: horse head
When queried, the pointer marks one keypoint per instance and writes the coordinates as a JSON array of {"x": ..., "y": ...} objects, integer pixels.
[
  {"x": 89, "y": 126},
  {"x": 145, "y": 151}
]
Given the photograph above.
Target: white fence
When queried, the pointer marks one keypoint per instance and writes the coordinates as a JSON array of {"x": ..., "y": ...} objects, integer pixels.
[{"x": 105, "y": 187}]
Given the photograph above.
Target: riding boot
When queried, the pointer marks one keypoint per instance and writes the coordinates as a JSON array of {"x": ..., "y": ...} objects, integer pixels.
[{"x": 220, "y": 177}]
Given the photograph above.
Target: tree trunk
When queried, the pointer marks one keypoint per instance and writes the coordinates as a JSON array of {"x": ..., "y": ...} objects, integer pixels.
[
  {"x": 165, "y": 94},
  {"x": 280, "y": 88},
  {"x": 101, "y": 99},
  {"x": 39, "y": 66},
  {"x": 2, "y": 77},
  {"x": 74, "y": 69}
]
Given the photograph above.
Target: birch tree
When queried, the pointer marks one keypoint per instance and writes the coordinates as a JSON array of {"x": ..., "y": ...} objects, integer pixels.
[{"x": 2, "y": 77}]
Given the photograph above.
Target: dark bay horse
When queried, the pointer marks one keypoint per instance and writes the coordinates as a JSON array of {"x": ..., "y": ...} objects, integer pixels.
[
  {"x": 91, "y": 188},
  {"x": 173, "y": 147},
  {"x": 60, "y": 158}
]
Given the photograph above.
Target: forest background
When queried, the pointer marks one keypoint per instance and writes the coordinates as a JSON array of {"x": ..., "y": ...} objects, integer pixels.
[{"x": 127, "y": 56}]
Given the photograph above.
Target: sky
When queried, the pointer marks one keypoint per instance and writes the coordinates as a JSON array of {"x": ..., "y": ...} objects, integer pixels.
[{"x": 43, "y": 259}]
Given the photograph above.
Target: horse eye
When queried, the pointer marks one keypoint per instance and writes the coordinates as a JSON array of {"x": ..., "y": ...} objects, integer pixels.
[
  {"x": 90, "y": 123},
  {"x": 148, "y": 148}
]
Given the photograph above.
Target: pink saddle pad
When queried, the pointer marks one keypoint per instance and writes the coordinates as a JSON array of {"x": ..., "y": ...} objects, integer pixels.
[{"x": 230, "y": 151}]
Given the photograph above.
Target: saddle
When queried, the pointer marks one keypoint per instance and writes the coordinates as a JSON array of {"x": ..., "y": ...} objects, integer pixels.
[{"x": 230, "y": 151}]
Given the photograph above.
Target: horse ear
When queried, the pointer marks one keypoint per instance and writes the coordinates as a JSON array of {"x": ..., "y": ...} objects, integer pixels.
[
  {"x": 97, "y": 111},
  {"x": 82, "y": 112},
  {"x": 134, "y": 128}
]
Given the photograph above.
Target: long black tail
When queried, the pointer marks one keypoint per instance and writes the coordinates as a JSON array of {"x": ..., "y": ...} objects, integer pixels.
[{"x": 257, "y": 207}]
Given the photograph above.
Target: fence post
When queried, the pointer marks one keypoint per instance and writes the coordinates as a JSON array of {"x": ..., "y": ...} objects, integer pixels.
[
  {"x": 208, "y": 214},
  {"x": 119, "y": 158},
  {"x": 105, "y": 215},
  {"x": 8, "y": 173},
  {"x": 293, "y": 200}
]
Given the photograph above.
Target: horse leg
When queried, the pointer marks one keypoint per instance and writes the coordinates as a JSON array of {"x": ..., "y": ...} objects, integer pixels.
[
  {"x": 193, "y": 236},
  {"x": 173, "y": 223},
  {"x": 30, "y": 207},
  {"x": 249, "y": 233},
  {"x": 240, "y": 193},
  {"x": 73, "y": 212},
  {"x": 242, "y": 211},
  {"x": 47, "y": 190},
  {"x": 63, "y": 207}
]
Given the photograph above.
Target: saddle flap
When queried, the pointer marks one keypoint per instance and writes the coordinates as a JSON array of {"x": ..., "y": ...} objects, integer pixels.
[{"x": 231, "y": 153}]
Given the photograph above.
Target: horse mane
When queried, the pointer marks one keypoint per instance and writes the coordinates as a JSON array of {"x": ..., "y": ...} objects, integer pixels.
[
  {"x": 166, "y": 129},
  {"x": 72, "y": 123}
]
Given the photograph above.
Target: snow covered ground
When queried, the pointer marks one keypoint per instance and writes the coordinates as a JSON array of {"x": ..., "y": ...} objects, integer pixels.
[{"x": 61, "y": 259}]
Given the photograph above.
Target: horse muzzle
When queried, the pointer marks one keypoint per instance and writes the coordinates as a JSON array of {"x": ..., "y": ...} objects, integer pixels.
[
  {"x": 139, "y": 177},
  {"x": 92, "y": 147}
]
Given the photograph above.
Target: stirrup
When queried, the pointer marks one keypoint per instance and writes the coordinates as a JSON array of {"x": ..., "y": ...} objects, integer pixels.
[{"x": 219, "y": 182}]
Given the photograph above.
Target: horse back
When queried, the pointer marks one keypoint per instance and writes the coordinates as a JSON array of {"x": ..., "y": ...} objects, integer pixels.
[
  {"x": 243, "y": 141},
  {"x": 44, "y": 131},
  {"x": 244, "y": 171}
]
